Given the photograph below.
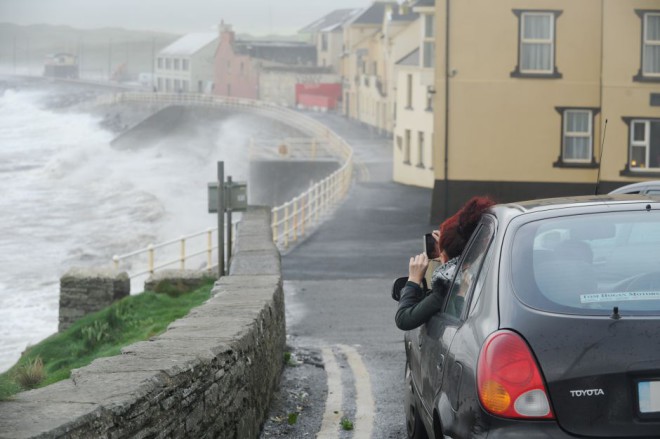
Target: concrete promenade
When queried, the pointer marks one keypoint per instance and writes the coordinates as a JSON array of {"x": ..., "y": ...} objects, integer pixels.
[{"x": 337, "y": 293}]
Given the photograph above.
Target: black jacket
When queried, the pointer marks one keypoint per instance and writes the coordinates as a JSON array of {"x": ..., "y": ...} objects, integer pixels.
[{"x": 416, "y": 306}]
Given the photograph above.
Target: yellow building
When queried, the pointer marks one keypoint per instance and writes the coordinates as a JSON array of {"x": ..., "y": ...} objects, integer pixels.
[
  {"x": 373, "y": 40},
  {"x": 523, "y": 89}
]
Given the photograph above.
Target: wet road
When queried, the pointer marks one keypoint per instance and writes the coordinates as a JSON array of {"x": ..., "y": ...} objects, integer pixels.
[{"x": 347, "y": 353}]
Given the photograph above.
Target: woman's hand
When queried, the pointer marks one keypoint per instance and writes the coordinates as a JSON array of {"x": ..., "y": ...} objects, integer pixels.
[{"x": 417, "y": 268}]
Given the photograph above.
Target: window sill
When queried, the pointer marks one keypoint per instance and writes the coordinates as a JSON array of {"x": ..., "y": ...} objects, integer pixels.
[
  {"x": 518, "y": 74},
  {"x": 406, "y": 162},
  {"x": 429, "y": 110},
  {"x": 420, "y": 166},
  {"x": 575, "y": 165},
  {"x": 639, "y": 77},
  {"x": 627, "y": 172}
]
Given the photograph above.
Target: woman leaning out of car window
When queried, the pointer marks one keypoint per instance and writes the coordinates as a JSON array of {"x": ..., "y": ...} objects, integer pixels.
[{"x": 416, "y": 307}]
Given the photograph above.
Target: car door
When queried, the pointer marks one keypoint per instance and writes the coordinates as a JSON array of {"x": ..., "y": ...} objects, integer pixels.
[{"x": 437, "y": 334}]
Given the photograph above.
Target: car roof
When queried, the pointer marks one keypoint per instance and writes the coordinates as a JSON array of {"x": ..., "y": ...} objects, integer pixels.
[
  {"x": 636, "y": 186},
  {"x": 585, "y": 201}
]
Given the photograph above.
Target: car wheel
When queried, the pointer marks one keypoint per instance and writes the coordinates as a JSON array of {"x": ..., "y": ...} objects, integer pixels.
[{"x": 414, "y": 425}]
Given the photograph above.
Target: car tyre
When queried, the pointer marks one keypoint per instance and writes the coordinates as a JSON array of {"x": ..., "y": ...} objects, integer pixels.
[{"x": 414, "y": 425}]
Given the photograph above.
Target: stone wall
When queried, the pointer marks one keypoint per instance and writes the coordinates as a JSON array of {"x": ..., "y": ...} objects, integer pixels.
[
  {"x": 211, "y": 374},
  {"x": 87, "y": 290}
]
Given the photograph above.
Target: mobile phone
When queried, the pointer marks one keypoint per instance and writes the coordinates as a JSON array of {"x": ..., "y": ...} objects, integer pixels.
[{"x": 430, "y": 246}]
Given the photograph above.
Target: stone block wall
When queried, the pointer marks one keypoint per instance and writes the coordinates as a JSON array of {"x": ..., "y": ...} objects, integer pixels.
[
  {"x": 211, "y": 374},
  {"x": 87, "y": 290}
]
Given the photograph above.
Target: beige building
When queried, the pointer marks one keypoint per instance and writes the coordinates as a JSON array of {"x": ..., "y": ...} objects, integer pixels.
[
  {"x": 373, "y": 41},
  {"x": 523, "y": 88},
  {"x": 327, "y": 34},
  {"x": 413, "y": 151}
]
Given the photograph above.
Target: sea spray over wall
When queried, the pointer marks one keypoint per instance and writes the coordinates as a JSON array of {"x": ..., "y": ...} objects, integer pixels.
[{"x": 70, "y": 199}]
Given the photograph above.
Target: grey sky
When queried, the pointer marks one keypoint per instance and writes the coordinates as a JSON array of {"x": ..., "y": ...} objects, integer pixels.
[{"x": 253, "y": 16}]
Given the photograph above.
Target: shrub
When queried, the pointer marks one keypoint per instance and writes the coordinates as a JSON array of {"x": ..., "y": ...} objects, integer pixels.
[
  {"x": 95, "y": 334},
  {"x": 31, "y": 373}
]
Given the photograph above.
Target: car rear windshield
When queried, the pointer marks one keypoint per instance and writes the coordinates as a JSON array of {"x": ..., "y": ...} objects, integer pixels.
[{"x": 588, "y": 264}]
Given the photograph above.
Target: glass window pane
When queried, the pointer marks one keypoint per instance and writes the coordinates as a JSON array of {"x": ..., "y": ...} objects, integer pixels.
[
  {"x": 577, "y": 121},
  {"x": 639, "y": 131},
  {"x": 593, "y": 264},
  {"x": 536, "y": 26},
  {"x": 638, "y": 157},
  {"x": 429, "y": 54},
  {"x": 654, "y": 146},
  {"x": 652, "y": 27},
  {"x": 429, "y": 30},
  {"x": 576, "y": 148},
  {"x": 536, "y": 57},
  {"x": 652, "y": 59}
]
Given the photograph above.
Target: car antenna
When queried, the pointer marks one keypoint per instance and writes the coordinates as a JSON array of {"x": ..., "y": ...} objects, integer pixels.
[{"x": 600, "y": 160}]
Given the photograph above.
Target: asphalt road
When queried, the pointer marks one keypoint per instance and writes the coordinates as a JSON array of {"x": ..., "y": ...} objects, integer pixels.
[{"x": 347, "y": 355}]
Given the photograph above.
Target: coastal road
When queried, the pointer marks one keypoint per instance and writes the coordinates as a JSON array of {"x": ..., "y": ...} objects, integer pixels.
[{"x": 347, "y": 356}]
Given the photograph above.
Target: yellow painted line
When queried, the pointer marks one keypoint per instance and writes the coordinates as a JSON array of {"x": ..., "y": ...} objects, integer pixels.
[
  {"x": 364, "y": 401},
  {"x": 333, "y": 413}
]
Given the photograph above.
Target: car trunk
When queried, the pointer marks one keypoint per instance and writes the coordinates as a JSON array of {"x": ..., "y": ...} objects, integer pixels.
[{"x": 603, "y": 374}]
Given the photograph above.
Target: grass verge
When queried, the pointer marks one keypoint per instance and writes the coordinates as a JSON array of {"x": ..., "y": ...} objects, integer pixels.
[{"x": 101, "y": 334}]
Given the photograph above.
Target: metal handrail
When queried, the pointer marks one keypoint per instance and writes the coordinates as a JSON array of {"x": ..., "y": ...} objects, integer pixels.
[{"x": 290, "y": 220}]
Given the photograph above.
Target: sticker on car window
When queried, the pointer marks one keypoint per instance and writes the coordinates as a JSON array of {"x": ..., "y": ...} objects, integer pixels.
[{"x": 620, "y": 297}]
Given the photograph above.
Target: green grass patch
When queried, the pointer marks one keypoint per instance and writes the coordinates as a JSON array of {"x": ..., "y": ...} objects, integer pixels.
[
  {"x": 346, "y": 424},
  {"x": 101, "y": 334}
]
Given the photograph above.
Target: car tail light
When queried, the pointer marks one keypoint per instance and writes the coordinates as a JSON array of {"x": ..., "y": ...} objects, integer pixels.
[{"x": 509, "y": 379}]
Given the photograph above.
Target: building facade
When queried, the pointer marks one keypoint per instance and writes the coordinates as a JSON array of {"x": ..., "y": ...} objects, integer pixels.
[
  {"x": 186, "y": 65},
  {"x": 327, "y": 34},
  {"x": 240, "y": 64},
  {"x": 413, "y": 151},
  {"x": 523, "y": 90}
]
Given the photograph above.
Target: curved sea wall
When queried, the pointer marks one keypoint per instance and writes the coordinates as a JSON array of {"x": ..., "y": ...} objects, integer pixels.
[{"x": 211, "y": 374}]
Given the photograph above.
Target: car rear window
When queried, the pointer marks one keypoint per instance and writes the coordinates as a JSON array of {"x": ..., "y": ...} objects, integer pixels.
[{"x": 588, "y": 264}]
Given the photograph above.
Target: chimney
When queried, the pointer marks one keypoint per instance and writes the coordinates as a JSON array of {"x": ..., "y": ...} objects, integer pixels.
[{"x": 226, "y": 33}]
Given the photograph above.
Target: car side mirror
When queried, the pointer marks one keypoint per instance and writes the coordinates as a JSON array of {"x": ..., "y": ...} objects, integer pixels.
[{"x": 397, "y": 286}]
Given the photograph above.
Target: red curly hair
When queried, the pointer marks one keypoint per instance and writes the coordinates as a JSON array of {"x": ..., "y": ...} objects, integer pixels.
[{"x": 456, "y": 230}]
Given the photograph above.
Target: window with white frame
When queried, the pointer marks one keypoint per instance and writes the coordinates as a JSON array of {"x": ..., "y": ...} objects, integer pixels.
[
  {"x": 644, "y": 144},
  {"x": 406, "y": 151},
  {"x": 420, "y": 149},
  {"x": 651, "y": 50},
  {"x": 409, "y": 91},
  {"x": 176, "y": 63},
  {"x": 168, "y": 63},
  {"x": 160, "y": 63},
  {"x": 428, "y": 46},
  {"x": 537, "y": 42},
  {"x": 184, "y": 64},
  {"x": 577, "y": 136}
]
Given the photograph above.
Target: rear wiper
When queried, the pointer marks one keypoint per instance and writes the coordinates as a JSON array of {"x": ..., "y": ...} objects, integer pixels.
[{"x": 615, "y": 313}]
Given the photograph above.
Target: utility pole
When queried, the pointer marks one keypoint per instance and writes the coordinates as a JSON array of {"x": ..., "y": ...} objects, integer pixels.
[{"x": 221, "y": 219}]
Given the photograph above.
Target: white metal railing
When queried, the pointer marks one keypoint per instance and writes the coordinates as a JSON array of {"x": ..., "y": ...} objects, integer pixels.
[{"x": 290, "y": 220}]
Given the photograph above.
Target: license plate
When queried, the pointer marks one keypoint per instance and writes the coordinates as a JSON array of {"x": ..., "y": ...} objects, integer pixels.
[{"x": 649, "y": 396}]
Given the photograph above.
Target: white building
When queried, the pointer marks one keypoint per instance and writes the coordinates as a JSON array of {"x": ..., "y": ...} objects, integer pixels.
[
  {"x": 415, "y": 88},
  {"x": 327, "y": 34},
  {"x": 187, "y": 64}
]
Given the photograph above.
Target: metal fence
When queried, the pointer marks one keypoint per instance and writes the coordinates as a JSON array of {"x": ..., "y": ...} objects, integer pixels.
[{"x": 291, "y": 220}]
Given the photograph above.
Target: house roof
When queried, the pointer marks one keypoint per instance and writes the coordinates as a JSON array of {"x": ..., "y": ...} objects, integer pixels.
[
  {"x": 284, "y": 52},
  {"x": 330, "y": 22},
  {"x": 374, "y": 14},
  {"x": 412, "y": 59},
  {"x": 190, "y": 44}
]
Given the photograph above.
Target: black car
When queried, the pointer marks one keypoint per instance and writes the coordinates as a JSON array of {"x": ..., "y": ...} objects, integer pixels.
[{"x": 559, "y": 332}]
